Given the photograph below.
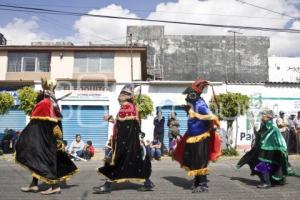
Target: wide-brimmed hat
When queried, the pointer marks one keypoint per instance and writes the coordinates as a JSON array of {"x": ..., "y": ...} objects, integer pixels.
[{"x": 268, "y": 113}]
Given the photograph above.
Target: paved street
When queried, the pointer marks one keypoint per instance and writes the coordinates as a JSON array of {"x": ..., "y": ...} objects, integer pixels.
[{"x": 171, "y": 183}]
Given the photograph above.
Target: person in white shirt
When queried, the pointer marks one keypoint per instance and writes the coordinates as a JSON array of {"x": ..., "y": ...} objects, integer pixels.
[
  {"x": 77, "y": 147},
  {"x": 283, "y": 124}
]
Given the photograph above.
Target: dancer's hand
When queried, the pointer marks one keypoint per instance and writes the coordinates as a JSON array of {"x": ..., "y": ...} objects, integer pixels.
[{"x": 109, "y": 118}]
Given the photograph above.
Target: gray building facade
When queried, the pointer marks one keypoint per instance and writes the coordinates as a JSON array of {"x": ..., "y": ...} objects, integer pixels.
[{"x": 216, "y": 58}]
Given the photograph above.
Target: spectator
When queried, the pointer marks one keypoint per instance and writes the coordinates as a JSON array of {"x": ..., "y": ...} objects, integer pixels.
[
  {"x": 148, "y": 148},
  {"x": 65, "y": 146},
  {"x": 159, "y": 122},
  {"x": 15, "y": 139},
  {"x": 291, "y": 144},
  {"x": 77, "y": 147},
  {"x": 155, "y": 148},
  {"x": 8, "y": 140},
  {"x": 108, "y": 150},
  {"x": 282, "y": 124},
  {"x": 297, "y": 124},
  {"x": 173, "y": 125},
  {"x": 89, "y": 150}
]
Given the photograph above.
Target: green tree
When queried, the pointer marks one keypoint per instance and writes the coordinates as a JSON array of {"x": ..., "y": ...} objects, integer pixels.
[
  {"x": 6, "y": 102},
  {"x": 229, "y": 107},
  {"x": 27, "y": 97},
  {"x": 144, "y": 104}
]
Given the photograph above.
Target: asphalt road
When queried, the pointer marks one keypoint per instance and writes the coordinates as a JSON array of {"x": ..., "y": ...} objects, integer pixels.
[{"x": 225, "y": 182}]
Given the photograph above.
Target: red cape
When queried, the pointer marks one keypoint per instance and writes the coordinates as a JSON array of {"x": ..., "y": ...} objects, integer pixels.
[
  {"x": 44, "y": 110},
  {"x": 214, "y": 146}
]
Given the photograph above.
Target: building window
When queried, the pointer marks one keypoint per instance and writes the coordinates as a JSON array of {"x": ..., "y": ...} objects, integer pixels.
[
  {"x": 94, "y": 62},
  {"x": 28, "y": 62}
]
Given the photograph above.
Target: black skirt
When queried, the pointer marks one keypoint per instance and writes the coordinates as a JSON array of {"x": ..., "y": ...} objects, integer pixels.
[
  {"x": 128, "y": 160},
  {"x": 36, "y": 149},
  {"x": 196, "y": 157}
]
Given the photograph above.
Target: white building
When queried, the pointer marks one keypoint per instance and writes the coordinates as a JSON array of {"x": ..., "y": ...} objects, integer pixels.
[
  {"x": 284, "y": 69},
  {"x": 92, "y": 73}
]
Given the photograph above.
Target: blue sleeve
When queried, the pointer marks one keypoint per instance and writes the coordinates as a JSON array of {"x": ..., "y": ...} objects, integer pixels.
[{"x": 201, "y": 107}]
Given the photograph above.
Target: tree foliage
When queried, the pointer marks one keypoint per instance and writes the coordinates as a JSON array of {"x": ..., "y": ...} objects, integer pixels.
[
  {"x": 230, "y": 152},
  {"x": 27, "y": 97},
  {"x": 144, "y": 104},
  {"x": 230, "y": 105},
  {"x": 6, "y": 102}
]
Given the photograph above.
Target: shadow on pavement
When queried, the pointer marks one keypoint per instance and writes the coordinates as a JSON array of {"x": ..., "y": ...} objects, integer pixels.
[
  {"x": 245, "y": 180},
  {"x": 180, "y": 182},
  {"x": 126, "y": 186},
  {"x": 297, "y": 176}
]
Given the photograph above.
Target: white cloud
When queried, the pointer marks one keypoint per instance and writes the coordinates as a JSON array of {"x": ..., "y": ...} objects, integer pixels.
[
  {"x": 23, "y": 32},
  {"x": 104, "y": 30},
  {"x": 226, "y": 12},
  {"x": 286, "y": 44}
]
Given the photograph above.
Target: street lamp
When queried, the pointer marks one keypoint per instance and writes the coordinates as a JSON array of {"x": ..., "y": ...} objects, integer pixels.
[{"x": 234, "y": 32}]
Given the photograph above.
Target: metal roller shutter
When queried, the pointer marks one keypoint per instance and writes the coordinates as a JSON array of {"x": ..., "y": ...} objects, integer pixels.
[
  {"x": 87, "y": 121},
  {"x": 181, "y": 116},
  {"x": 14, "y": 119}
]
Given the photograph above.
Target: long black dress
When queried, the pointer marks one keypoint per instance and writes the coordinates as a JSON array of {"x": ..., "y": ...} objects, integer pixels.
[
  {"x": 37, "y": 146},
  {"x": 129, "y": 161}
]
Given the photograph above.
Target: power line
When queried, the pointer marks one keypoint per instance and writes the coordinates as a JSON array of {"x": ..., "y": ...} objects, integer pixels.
[
  {"x": 163, "y": 11},
  {"x": 57, "y": 12},
  {"x": 269, "y": 10}
]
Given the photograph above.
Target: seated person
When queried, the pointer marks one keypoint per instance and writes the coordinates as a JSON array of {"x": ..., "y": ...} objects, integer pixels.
[
  {"x": 155, "y": 148},
  {"x": 77, "y": 147},
  {"x": 108, "y": 150},
  {"x": 65, "y": 146},
  {"x": 148, "y": 148},
  {"x": 89, "y": 150}
]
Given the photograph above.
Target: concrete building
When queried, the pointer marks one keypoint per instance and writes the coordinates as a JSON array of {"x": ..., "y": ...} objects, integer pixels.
[
  {"x": 94, "y": 74},
  {"x": 218, "y": 58}
]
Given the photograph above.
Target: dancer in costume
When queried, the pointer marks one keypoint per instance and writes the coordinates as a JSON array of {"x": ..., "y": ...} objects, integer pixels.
[
  {"x": 268, "y": 158},
  {"x": 39, "y": 147},
  {"x": 201, "y": 143},
  {"x": 129, "y": 161}
]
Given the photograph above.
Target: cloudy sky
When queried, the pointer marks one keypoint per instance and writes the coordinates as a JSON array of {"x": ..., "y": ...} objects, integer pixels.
[{"x": 23, "y": 27}]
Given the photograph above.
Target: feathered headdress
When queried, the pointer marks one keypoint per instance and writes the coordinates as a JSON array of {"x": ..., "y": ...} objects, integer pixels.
[{"x": 48, "y": 85}]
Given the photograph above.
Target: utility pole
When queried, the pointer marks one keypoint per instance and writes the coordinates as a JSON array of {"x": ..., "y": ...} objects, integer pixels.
[
  {"x": 234, "y": 32},
  {"x": 131, "y": 59}
]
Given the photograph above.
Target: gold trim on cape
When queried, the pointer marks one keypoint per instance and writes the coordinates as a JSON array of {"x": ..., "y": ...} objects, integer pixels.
[
  {"x": 127, "y": 118},
  {"x": 198, "y": 138},
  {"x": 57, "y": 132},
  {"x": 122, "y": 180},
  {"x": 44, "y": 118},
  {"x": 197, "y": 172},
  {"x": 47, "y": 180}
]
